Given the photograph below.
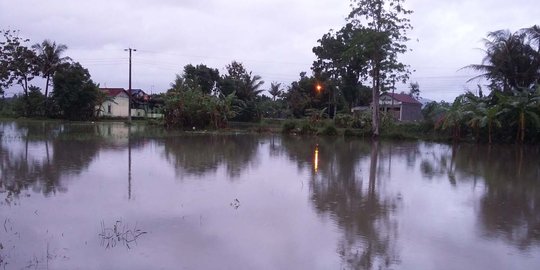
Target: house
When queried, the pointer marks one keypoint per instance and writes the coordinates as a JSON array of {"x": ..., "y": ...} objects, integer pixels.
[
  {"x": 116, "y": 103},
  {"x": 402, "y": 106},
  {"x": 143, "y": 105}
]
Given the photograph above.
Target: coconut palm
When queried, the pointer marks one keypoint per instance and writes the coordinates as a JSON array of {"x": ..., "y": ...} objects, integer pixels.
[
  {"x": 511, "y": 63},
  {"x": 275, "y": 90},
  {"x": 49, "y": 60},
  {"x": 533, "y": 34},
  {"x": 250, "y": 88}
]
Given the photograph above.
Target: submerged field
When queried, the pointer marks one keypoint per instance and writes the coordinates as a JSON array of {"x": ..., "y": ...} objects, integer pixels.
[{"x": 108, "y": 196}]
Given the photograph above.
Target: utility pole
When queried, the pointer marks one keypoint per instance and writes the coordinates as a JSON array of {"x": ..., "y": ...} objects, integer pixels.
[{"x": 129, "y": 90}]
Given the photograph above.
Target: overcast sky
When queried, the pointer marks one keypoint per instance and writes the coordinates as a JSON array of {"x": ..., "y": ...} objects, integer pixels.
[{"x": 272, "y": 38}]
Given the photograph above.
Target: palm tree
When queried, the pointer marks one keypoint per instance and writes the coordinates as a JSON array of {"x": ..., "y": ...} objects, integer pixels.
[
  {"x": 454, "y": 117},
  {"x": 250, "y": 88},
  {"x": 489, "y": 119},
  {"x": 510, "y": 62},
  {"x": 522, "y": 108},
  {"x": 275, "y": 90},
  {"x": 533, "y": 34},
  {"x": 49, "y": 60}
]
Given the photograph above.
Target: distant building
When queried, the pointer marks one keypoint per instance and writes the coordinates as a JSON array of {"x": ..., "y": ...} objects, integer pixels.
[
  {"x": 402, "y": 106},
  {"x": 116, "y": 103}
]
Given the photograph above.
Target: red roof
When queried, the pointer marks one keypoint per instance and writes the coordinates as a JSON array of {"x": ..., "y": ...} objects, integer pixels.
[
  {"x": 403, "y": 98},
  {"x": 113, "y": 92}
]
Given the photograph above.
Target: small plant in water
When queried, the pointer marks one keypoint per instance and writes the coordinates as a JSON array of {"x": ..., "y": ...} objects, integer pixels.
[
  {"x": 235, "y": 204},
  {"x": 119, "y": 233}
]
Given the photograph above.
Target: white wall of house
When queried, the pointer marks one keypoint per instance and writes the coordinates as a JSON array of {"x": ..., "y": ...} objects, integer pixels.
[{"x": 118, "y": 107}]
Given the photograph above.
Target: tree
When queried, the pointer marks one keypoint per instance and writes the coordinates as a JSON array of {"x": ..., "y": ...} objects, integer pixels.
[
  {"x": 414, "y": 90},
  {"x": 303, "y": 95},
  {"x": 511, "y": 63},
  {"x": 201, "y": 76},
  {"x": 490, "y": 119},
  {"x": 454, "y": 117},
  {"x": 275, "y": 90},
  {"x": 520, "y": 109},
  {"x": 49, "y": 58},
  {"x": 74, "y": 92},
  {"x": 246, "y": 87},
  {"x": 250, "y": 88},
  {"x": 179, "y": 84},
  {"x": 382, "y": 39},
  {"x": 17, "y": 63},
  {"x": 339, "y": 58},
  {"x": 235, "y": 77}
]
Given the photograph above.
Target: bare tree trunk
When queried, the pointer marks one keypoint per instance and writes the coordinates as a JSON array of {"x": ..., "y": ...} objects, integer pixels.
[
  {"x": 47, "y": 95},
  {"x": 375, "y": 93}
]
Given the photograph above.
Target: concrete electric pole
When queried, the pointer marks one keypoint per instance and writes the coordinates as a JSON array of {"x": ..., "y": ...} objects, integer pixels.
[{"x": 129, "y": 90}]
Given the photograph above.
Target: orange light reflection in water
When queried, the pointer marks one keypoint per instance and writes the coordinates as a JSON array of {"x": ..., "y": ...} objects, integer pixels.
[{"x": 316, "y": 159}]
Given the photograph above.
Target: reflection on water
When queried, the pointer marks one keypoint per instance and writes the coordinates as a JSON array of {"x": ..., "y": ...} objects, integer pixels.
[
  {"x": 199, "y": 155},
  {"x": 339, "y": 191},
  {"x": 200, "y": 201}
]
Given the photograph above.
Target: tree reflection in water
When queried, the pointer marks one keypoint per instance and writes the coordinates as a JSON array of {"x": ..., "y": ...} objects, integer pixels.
[
  {"x": 37, "y": 155},
  {"x": 509, "y": 209},
  {"x": 338, "y": 190},
  {"x": 197, "y": 155}
]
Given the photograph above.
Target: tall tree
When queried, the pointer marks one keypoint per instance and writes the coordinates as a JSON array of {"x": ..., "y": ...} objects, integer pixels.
[
  {"x": 245, "y": 86},
  {"x": 303, "y": 95},
  {"x": 250, "y": 88},
  {"x": 339, "y": 58},
  {"x": 49, "y": 58},
  {"x": 202, "y": 77},
  {"x": 234, "y": 79},
  {"x": 512, "y": 62},
  {"x": 74, "y": 92},
  {"x": 385, "y": 32},
  {"x": 17, "y": 63}
]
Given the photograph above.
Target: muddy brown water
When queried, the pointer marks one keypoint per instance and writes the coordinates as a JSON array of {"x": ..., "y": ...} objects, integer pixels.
[{"x": 105, "y": 196}]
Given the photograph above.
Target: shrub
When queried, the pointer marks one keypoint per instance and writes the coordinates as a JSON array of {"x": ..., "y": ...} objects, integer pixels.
[
  {"x": 288, "y": 126},
  {"x": 192, "y": 108},
  {"x": 329, "y": 130},
  {"x": 307, "y": 129},
  {"x": 348, "y": 133}
]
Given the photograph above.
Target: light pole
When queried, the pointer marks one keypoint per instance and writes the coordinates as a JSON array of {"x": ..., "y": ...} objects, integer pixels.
[{"x": 129, "y": 90}]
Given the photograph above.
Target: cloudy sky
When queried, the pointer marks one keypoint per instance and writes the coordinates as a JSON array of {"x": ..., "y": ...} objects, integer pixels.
[{"x": 273, "y": 38}]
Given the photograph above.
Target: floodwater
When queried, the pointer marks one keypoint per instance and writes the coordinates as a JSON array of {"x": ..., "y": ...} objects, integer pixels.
[{"x": 102, "y": 196}]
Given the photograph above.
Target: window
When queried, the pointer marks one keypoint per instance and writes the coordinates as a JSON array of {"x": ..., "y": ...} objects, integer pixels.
[{"x": 109, "y": 108}]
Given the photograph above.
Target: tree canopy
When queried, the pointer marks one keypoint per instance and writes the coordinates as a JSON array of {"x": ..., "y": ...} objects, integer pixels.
[
  {"x": 74, "y": 92},
  {"x": 512, "y": 60}
]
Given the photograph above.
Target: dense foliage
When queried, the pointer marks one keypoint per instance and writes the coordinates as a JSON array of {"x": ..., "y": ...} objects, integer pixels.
[
  {"x": 364, "y": 51},
  {"x": 74, "y": 95}
]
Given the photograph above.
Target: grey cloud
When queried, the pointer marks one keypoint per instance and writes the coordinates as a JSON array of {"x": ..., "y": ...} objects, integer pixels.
[{"x": 273, "y": 38}]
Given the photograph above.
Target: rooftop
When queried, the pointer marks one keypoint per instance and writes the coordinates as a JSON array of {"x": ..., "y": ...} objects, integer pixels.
[{"x": 403, "y": 98}]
